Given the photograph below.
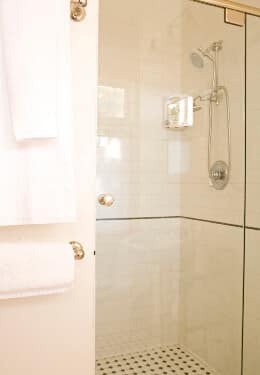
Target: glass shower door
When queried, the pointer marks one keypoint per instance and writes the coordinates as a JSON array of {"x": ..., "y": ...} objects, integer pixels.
[{"x": 169, "y": 244}]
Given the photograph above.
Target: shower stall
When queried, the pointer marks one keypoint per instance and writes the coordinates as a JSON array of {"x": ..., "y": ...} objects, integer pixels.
[{"x": 178, "y": 208}]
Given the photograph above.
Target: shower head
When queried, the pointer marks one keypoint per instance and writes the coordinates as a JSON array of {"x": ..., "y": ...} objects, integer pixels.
[
  {"x": 197, "y": 60},
  {"x": 197, "y": 57}
]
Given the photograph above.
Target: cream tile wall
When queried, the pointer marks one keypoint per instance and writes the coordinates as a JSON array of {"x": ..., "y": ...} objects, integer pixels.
[
  {"x": 170, "y": 281},
  {"x": 252, "y": 304},
  {"x": 135, "y": 152},
  {"x": 137, "y": 284},
  {"x": 198, "y": 198},
  {"x": 210, "y": 289},
  {"x": 253, "y": 129},
  {"x": 252, "y": 244},
  {"x": 150, "y": 170}
]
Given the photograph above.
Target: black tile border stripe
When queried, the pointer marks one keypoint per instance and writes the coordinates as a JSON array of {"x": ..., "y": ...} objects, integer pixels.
[
  {"x": 177, "y": 217},
  {"x": 170, "y": 217},
  {"x": 252, "y": 228},
  {"x": 212, "y": 221},
  {"x": 139, "y": 218}
]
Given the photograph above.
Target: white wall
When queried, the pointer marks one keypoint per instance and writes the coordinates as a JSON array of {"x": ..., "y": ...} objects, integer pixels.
[{"x": 55, "y": 334}]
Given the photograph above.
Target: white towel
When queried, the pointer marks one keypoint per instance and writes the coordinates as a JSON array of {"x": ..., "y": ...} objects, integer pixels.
[
  {"x": 35, "y": 269},
  {"x": 37, "y": 176},
  {"x": 33, "y": 45}
]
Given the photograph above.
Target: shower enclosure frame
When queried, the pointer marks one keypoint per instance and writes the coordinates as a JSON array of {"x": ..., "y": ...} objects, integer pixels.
[{"x": 227, "y": 4}]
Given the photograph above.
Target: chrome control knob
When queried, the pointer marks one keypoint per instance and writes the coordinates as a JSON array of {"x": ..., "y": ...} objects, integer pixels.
[
  {"x": 219, "y": 175},
  {"x": 106, "y": 200}
]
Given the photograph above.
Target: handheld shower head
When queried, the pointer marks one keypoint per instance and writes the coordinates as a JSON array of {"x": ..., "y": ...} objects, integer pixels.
[{"x": 197, "y": 58}]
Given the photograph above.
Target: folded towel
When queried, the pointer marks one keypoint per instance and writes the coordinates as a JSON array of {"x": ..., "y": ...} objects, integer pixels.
[
  {"x": 37, "y": 184},
  {"x": 35, "y": 269},
  {"x": 33, "y": 47}
]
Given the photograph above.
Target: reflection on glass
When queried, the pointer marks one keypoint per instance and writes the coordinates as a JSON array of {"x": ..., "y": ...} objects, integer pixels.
[
  {"x": 111, "y": 101},
  {"x": 179, "y": 112},
  {"x": 111, "y": 146},
  {"x": 178, "y": 158}
]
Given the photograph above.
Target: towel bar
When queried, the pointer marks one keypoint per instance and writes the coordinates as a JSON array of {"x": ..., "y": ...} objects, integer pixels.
[
  {"x": 78, "y": 250},
  {"x": 77, "y": 10}
]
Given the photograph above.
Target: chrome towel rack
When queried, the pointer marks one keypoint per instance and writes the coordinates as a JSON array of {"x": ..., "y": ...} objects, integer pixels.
[{"x": 78, "y": 10}]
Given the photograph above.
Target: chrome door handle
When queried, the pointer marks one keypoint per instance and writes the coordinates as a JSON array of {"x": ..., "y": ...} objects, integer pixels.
[{"x": 106, "y": 200}]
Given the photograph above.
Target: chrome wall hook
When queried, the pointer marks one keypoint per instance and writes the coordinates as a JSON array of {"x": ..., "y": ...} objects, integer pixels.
[
  {"x": 78, "y": 250},
  {"x": 78, "y": 10}
]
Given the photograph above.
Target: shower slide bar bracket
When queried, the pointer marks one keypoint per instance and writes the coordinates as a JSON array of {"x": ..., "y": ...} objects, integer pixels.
[
  {"x": 79, "y": 252},
  {"x": 78, "y": 10}
]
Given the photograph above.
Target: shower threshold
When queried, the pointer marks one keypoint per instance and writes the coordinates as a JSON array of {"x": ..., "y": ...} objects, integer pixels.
[{"x": 162, "y": 360}]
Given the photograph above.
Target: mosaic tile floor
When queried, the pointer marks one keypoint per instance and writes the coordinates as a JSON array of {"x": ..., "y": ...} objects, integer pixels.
[{"x": 164, "y": 360}]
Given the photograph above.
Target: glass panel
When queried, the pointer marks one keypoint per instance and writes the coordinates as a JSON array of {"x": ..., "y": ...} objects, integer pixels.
[
  {"x": 170, "y": 247},
  {"x": 252, "y": 270}
]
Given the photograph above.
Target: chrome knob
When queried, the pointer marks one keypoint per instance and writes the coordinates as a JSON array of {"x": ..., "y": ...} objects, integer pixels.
[{"x": 106, "y": 200}]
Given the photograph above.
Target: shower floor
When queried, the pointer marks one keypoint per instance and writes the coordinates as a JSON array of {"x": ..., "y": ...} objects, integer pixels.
[{"x": 162, "y": 360}]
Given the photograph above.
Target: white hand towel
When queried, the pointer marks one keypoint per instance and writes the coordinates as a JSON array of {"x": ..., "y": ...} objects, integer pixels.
[
  {"x": 33, "y": 46},
  {"x": 37, "y": 176},
  {"x": 35, "y": 269}
]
